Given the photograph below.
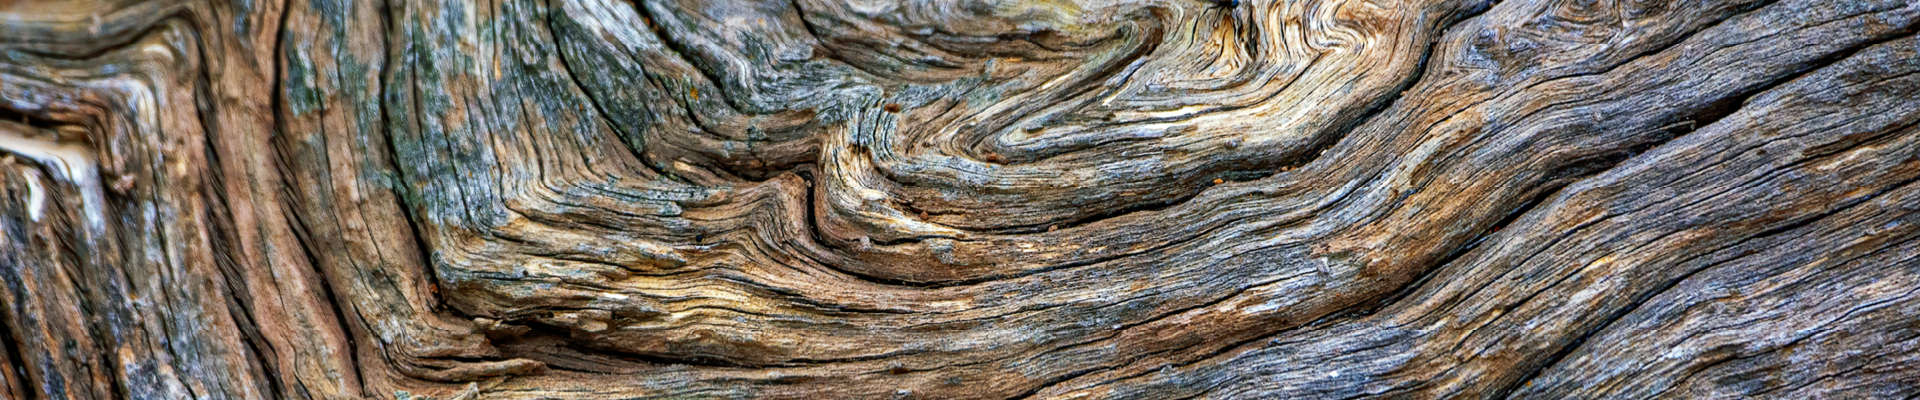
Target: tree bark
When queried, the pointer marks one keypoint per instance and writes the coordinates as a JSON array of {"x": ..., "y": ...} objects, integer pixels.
[{"x": 599, "y": 199}]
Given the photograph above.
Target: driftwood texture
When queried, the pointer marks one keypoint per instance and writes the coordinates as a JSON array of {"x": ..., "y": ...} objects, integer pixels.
[{"x": 1157, "y": 199}]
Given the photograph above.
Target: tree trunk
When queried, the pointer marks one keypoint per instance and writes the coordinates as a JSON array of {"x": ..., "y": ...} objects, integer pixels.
[{"x": 1158, "y": 199}]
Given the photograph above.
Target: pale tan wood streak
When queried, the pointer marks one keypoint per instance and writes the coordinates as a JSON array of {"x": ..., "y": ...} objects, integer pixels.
[{"x": 536, "y": 199}]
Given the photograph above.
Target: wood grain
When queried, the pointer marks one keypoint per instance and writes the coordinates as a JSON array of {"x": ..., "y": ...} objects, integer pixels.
[{"x": 598, "y": 199}]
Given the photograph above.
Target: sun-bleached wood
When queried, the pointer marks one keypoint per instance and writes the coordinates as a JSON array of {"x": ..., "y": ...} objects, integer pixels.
[{"x": 1157, "y": 199}]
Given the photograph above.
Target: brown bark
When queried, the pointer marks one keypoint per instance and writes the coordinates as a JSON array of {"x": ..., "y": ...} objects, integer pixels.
[{"x": 591, "y": 199}]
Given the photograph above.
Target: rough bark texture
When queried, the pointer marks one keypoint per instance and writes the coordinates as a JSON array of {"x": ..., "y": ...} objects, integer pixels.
[{"x": 599, "y": 199}]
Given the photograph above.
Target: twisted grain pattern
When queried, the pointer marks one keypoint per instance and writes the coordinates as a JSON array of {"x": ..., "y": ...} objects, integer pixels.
[{"x": 525, "y": 199}]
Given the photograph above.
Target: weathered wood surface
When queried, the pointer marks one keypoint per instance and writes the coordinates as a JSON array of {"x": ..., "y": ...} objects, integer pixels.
[{"x": 1159, "y": 199}]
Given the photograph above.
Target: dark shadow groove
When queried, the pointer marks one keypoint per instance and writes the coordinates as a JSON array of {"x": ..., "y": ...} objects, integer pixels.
[
  {"x": 1712, "y": 114},
  {"x": 241, "y": 308},
  {"x": 1369, "y": 308},
  {"x": 219, "y": 216},
  {"x": 30, "y": 119},
  {"x": 1345, "y": 130},
  {"x": 1676, "y": 41},
  {"x": 1640, "y": 300},
  {"x": 99, "y": 45},
  {"x": 1312, "y": 152},
  {"x": 684, "y": 52},
  {"x": 8, "y": 343},
  {"x": 1162, "y": 316},
  {"x": 297, "y": 221},
  {"x": 636, "y": 146}
]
